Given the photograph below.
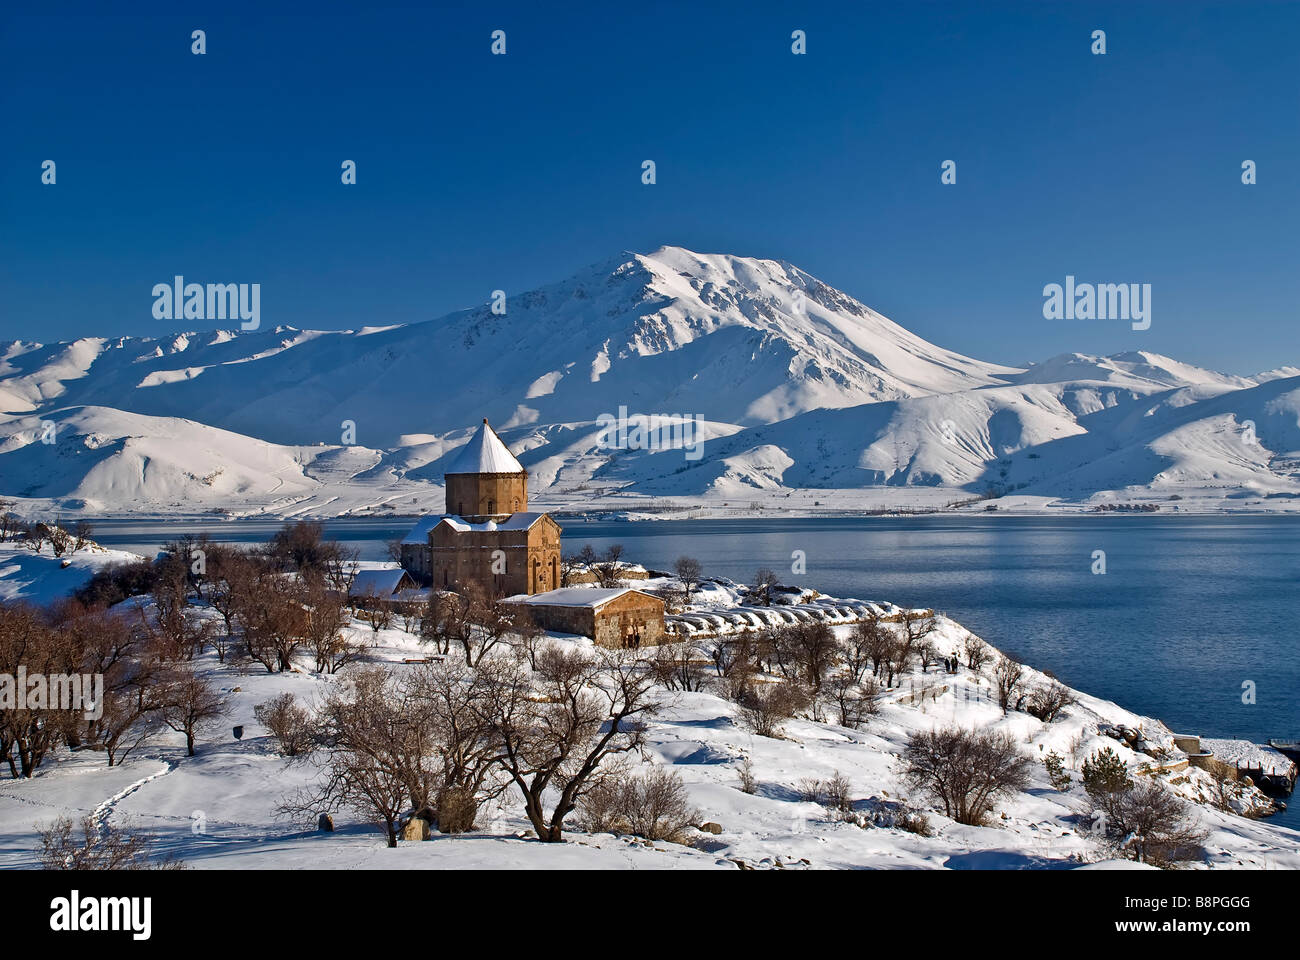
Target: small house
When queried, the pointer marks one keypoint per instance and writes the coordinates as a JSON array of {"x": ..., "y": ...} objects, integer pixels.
[
  {"x": 612, "y": 617},
  {"x": 385, "y": 583}
]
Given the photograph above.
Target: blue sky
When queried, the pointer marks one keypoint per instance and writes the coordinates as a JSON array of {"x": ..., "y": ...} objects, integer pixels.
[{"x": 478, "y": 172}]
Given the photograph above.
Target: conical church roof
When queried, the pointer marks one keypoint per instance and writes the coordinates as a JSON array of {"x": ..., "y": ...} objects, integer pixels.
[{"x": 485, "y": 453}]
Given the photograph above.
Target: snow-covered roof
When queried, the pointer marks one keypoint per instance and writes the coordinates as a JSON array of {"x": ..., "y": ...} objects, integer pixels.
[
  {"x": 516, "y": 521},
  {"x": 376, "y": 583},
  {"x": 575, "y": 596},
  {"x": 485, "y": 453},
  {"x": 419, "y": 534}
]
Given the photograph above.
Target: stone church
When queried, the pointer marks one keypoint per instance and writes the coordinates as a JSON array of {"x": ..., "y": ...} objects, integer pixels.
[{"x": 487, "y": 535}]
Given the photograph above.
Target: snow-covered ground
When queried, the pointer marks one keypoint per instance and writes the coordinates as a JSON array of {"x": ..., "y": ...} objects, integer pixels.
[
  {"x": 42, "y": 578},
  {"x": 217, "y": 809},
  {"x": 800, "y": 394}
]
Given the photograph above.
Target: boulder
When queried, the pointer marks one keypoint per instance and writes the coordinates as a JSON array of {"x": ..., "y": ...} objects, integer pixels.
[
  {"x": 416, "y": 830},
  {"x": 711, "y": 827}
]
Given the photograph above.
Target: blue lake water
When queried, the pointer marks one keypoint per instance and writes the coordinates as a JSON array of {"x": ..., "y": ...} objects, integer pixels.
[{"x": 1188, "y": 610}]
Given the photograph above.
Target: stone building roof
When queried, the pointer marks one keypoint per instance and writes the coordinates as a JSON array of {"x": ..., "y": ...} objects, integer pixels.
[
  {"x": 420, "y": 532},
  {"x": 377, "y": 583},
  {"x": 516, "y": 521},
  {"x": 485, "y": 453},
  {"x": 576, "y": 596}
]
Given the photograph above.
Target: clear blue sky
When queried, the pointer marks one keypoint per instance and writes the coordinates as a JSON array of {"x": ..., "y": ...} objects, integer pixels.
[{"x": 478, "y": 172}]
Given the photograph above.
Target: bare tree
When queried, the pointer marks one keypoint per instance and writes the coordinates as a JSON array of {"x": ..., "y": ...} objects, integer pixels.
[
  {"x": 81, "y": 533},
  {"x": 734, "y": 658},
  {"x": 898, "y": 657},
  {"x": 34, "y": 536},
  {"x": 459, "y": 705},
  {"x": 60, "y": 539},
  {"x": 189, "y": 703},
  {"x": 99, "y": 847},
  {"x": 680, "y": 666},
  {"x": 869, "y": 641},
  {"x": 766, "y": 707},
  {"x": 530, "y": 639},
  {"x": 653, "y": 805},
  {"x": 855, "y": 701},
  {"x": 914, "y": 627},
  {"x": 472, "y": 619},
  {"x": 272, "y": 611},
  {"x": 447, "y": 619},
  {"x": 569, "y": 566},
  {"x": 132, "y": 710},
  {"x": 964, "y": 770},
  {"x": 609, "y": 569},
  {"x": 928, "y": 654},
  {"x": 1009, "y": 682},
  {"x": 816, "y": 652},
  {"x": 556, "y": 729},
  {"x": 760, "y": 590},
  {"x": 977, "y": 653},
  {"x": 1047, "y": 702},
  {"x": 326, "y": 630},
  {"x": 368, "y": 748},
  {"x": 179, "y": 633},
  {"x": 231, "y": 577},
  {"x": 378, "y": 612},
  {"x": 688, "y": 571},
  {"x": 292, "y": 725},
  {"x": 28, "y": 731},
  {"x": 774, "y": 652},
  {"x": 1148, "y": 823}
]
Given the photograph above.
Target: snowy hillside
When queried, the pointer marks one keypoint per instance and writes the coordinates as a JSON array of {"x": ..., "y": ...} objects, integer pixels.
[
  {"x": 217, "y": 809},
  {"x": 796, "y": 386}
]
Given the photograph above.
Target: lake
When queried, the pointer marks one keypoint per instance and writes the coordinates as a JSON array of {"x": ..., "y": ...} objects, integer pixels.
[{"x": 1189, "y": 609}]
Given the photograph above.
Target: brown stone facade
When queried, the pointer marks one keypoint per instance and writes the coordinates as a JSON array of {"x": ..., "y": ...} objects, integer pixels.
[
  {"x": 486, "y": 496},
  {"x": 632, "y": 620},
  {"x": 506, "y": 562}
]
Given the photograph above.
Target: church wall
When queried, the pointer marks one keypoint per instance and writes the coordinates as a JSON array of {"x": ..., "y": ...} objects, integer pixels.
[{"x": 530, "y": 560}]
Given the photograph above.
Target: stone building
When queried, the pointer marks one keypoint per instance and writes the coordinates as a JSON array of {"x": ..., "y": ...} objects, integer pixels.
[
  {"x": 487, "y": 536},
  {"x": 613, "y": 617}
]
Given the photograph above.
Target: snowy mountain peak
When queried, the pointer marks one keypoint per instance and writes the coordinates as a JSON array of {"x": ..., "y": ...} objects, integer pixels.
[{"x": 1135, "y": 367}]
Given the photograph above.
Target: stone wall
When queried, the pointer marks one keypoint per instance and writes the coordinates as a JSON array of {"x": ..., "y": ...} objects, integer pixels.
[
  {"x": 486, "y": 495},
  {"x": 529, "y": 560},
  {"x": 630, "y": 620}
]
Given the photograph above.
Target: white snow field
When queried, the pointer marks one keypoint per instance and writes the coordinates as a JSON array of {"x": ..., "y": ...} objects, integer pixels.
[
  {"x": 803, "y": 394},
  {"x": 217, "y": 809},
  {"x": 42, "y": 578}
]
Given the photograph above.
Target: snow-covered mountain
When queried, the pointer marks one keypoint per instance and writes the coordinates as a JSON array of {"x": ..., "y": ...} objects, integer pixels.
[
  {"x": 795, "y": 386},
  {"x": 750, "y": 341}
]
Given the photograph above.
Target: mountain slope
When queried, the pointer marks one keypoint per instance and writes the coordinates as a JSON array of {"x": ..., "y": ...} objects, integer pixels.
[
  {"x": 792, "y": 384},
  {"x": 1067, "y": 440},
  {"x": 743, "y": 341}
]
